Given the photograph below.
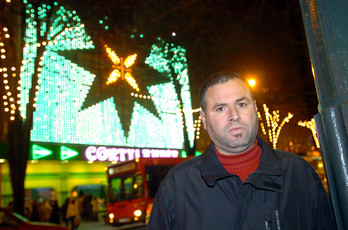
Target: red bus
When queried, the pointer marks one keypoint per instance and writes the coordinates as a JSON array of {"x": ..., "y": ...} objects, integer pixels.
[{"x": 132, "y": 186}]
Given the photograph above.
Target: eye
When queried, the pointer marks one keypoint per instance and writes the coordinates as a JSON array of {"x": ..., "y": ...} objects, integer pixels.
[
  {"x": 220, "y": 108},
  {"x": 242, "y": 104}
]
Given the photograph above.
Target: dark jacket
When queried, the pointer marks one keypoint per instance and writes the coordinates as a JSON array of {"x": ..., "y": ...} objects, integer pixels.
[{"x": 284, "y": 193}]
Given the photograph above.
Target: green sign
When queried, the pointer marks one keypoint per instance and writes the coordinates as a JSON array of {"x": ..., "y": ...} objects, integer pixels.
[
  {"x": 40, "y": 152},
  {"x": 66, "y": 153}
]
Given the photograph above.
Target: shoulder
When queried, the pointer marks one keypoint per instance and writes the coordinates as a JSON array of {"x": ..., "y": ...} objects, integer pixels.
[
  {"x": 279, "y": 157},
  {"x": 179, "y": 176},
  {"x": 296, "y": 165},
  {"x": 186, "y": 166},
  {"x": 290, "y": 158},
  {"x": 274, "y": 159},
  {"x": 183, "y": 172}
]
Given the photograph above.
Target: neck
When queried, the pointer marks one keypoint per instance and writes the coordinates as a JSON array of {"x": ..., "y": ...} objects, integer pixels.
[
  {"x": 241, "y": 164},
  {"x": 236, "y": 150}
]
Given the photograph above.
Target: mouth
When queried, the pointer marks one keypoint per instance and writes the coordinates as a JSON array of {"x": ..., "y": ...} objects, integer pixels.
[{"x": 236, "y": 130}]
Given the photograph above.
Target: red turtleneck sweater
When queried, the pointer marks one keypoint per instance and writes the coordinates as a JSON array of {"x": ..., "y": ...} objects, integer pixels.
[{"x": 241, "y": 164}]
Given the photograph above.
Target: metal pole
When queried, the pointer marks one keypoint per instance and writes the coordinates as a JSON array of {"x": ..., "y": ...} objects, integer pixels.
[{"x": 326, "y": 26}]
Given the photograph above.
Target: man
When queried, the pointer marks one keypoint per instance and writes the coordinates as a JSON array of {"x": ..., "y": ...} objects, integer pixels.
[{"x": 239, "y": 182}]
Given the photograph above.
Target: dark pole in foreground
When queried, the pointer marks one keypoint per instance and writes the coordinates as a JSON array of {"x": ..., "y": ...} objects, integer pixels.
[{"x": 326, "y": 25}]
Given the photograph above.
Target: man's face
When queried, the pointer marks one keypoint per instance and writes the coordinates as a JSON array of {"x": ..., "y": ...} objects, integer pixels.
[{"x": 230, "y": 117}]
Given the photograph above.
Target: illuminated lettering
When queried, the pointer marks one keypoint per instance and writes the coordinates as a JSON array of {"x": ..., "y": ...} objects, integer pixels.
[
  {"x": 90, "y": 153},
  {"x": 160, "y": 153},
  {"x": 146, "y": 153},
  {"x": 102, "y": 153}
]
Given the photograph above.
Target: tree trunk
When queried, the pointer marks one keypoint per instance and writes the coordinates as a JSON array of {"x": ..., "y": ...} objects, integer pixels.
[
  {"x": 189, "y": 151},
  {"x": 17, "y": 155}
]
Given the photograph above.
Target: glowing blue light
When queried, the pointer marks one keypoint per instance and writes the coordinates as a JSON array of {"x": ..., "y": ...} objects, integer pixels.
[{"x": 64, "y": 86}]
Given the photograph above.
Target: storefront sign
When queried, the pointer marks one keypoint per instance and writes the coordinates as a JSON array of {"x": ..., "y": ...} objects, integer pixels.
[{"x": 102, "y": 153}]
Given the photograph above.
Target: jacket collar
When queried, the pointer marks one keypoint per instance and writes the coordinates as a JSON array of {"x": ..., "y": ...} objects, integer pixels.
[
  {"x": 211, "y": 168},
  {"x": 269, "y": 174}
]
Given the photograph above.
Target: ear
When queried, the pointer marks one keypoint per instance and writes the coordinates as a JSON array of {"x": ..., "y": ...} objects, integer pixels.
[
  {"x": 203, "y": 118},
  {"x": 255, "y": 106}
]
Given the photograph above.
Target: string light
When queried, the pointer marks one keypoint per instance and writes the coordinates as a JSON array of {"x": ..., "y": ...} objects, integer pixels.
[
  {"x": 197, "y": 127},
  {"x": 140, "y": 95},
  {"x": 272, "y": 128},
  {"x": 311, "y": 125},
  {"x": 9, "y": 101}
]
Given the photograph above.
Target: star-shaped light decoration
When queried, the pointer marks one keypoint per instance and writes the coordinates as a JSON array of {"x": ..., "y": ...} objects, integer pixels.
[
  {"x": 118, "y": 81},
  {"x": 122, "y": 69}
]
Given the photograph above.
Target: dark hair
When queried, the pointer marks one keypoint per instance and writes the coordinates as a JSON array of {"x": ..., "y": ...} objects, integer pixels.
[{"x": 219, "y": 78}]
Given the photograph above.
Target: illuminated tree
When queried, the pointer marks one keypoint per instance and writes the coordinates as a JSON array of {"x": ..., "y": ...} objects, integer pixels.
[
  {"x": 272, "y": 128},
  {"x": 197, "y": 124},
  {"x": 170, "y": 59},
  {"x": 311, "y": 125},
  {"x": 45, "y": 27},
  {"x": 18, "y": 129}
]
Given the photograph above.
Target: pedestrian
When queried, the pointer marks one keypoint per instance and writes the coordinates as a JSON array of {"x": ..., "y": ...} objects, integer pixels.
[
  {"x": 55, "y": 212},
  {"x": 95, "y": 207},
  {"x": 86, "y": 213},
  {"x": 239, "y": 182},
  {"x": 72, "y": 214},
  {"x": 80, "y": 204},
  {"x": 34, "y": 216},
  {"x": 63, "y": 211},
  {"x": 44, "y": 210}
]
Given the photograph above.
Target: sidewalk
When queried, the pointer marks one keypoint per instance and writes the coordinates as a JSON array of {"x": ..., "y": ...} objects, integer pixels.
[{"x": 102, "y": 226}]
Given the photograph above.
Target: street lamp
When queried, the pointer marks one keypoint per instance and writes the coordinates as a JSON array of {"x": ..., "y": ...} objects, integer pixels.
[{"x": 252, "y": 82}]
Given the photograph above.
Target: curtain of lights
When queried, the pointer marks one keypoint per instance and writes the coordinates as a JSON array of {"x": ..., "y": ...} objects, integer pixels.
[{"x": 64, "y": 85}]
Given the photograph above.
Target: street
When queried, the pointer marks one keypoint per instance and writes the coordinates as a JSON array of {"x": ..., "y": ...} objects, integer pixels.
[{"x": 102, "y": 226}]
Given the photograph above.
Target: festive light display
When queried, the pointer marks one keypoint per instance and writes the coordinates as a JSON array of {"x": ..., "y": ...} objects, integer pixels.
[
  {"x": 63, "y": 87},
  {"x": 272, "y": 126},
  {"x": 121, "y": 68},
  {"x": 169, "y": 59},
  {"x": 10, "y": 101},
  {"x": 66, "y": 33},
  {"x": 311, "y": 125},
  {"x": 197, "y": 123}
]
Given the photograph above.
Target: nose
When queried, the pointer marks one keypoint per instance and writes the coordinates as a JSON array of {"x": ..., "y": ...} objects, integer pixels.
[{"x": 233, "y": 115}]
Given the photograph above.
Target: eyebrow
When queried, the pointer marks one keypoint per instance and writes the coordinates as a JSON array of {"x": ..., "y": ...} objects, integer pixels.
[
  {"x": 236, "y": 101},
  {"x": 218, "y": 105},
  {"x": 242, "y": 99}
]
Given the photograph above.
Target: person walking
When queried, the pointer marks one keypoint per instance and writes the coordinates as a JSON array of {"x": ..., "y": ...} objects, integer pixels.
[
  {"x": 44, "y": 210},
  {"x": 95, "y": 207},
  {"x": 55, "y": 212},
  {"x": 72, "y": 214},
  {"x": 239, "y": 182},
  {"x": 34, "y": 216},
  {"x": 63, "y": 211}
]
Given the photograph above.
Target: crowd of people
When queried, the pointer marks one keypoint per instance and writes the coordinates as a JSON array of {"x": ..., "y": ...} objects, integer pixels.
[{"x": 71, "y": 212}]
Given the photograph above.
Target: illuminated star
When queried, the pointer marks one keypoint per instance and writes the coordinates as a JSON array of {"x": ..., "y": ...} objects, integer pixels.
[
  {"x": 117, "y": 81},
  {"x": 121, "y": 68}
]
